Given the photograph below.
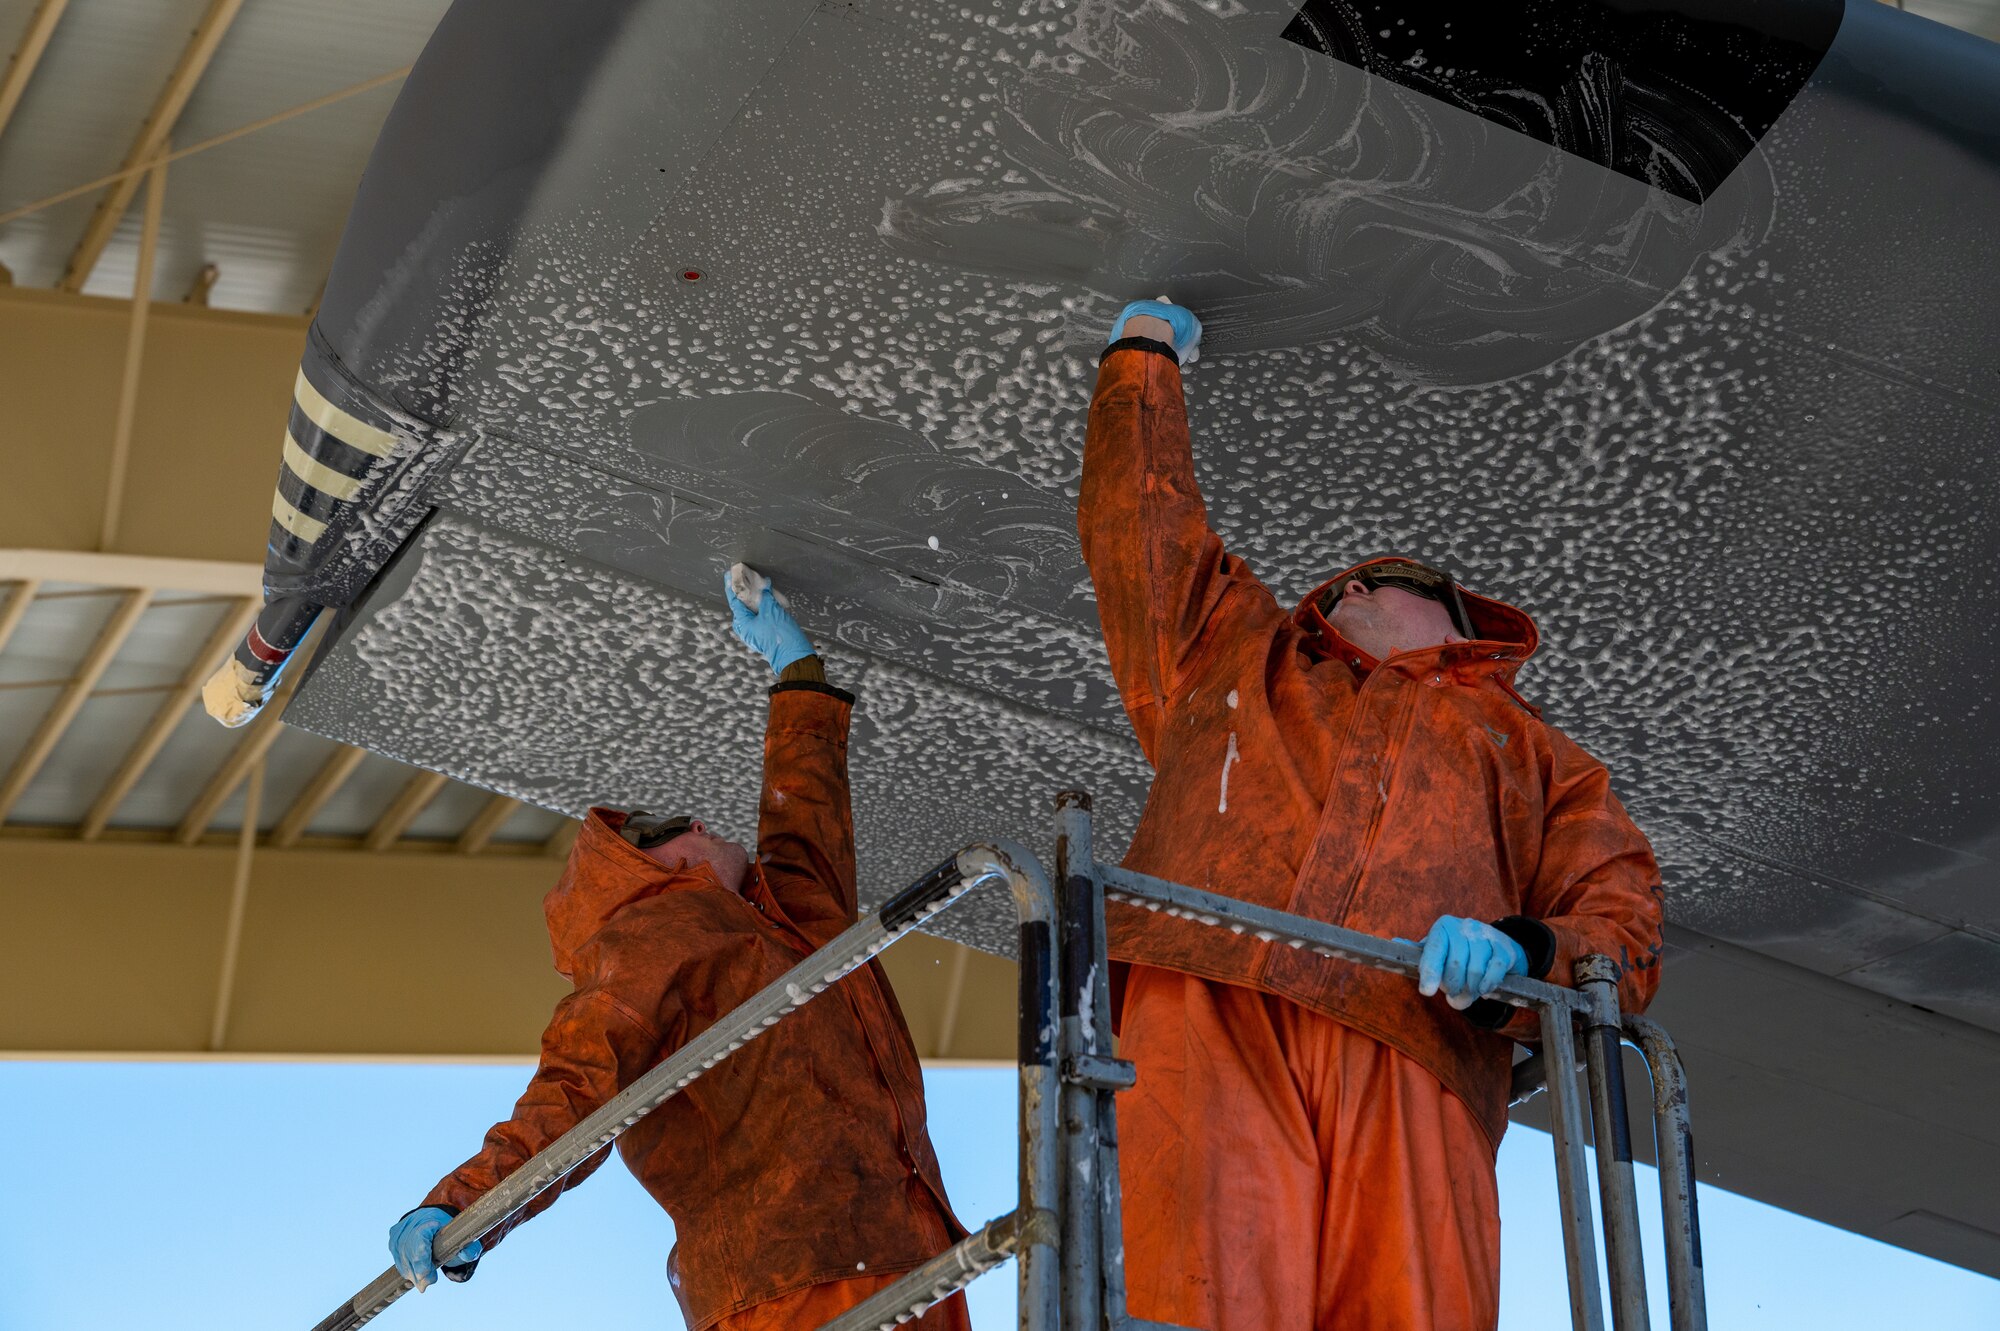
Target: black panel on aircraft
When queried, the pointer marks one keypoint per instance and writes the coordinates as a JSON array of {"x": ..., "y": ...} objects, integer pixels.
[{"x": 1671, "y": 92}]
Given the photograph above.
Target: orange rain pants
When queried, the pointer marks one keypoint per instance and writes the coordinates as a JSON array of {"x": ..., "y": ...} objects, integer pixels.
[
  {"x": 816, "y": 1305},
  {"x": 1283, "y": 1172}
]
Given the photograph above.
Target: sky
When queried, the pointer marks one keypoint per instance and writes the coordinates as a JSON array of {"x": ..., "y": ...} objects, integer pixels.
[{"x": 220, "y": 1195}]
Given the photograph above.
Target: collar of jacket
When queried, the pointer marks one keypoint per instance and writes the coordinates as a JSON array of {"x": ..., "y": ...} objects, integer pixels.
[
  {"x": 605, "y": 874},
  {"x": 1507, "y": 638}
]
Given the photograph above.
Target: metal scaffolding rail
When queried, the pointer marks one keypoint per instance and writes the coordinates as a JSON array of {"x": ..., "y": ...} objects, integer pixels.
[{"x": 1067, "y": 1229}]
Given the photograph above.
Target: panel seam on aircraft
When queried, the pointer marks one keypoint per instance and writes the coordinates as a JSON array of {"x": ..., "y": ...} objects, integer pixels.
[{"x": 1828, "y": 880}]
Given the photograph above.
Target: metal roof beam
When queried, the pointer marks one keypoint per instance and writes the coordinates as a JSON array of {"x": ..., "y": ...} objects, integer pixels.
[
  {"x": 954, "y": 996},
  {"x": 135, "y": 354},
  {"x": 18, "y": 601},
  {"x": 256, "y": 742},
  {"x": 208, "y": 577},
  {"x": 239, "y": 901},
  {"x": 204, "y": 283},
  {"x": 220, "y": 642},
  {"x": 27, "y": 55},
  {"x": 325, "y": 784},
  {"x": 50, "y": 732},
  {"x": 485, "y": 823},
  {"x": 411, "y": 800},
  {"x": 151, "y": 141}
]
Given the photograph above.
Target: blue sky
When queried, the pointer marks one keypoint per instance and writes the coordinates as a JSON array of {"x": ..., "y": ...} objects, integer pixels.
[{"x": 237, "y": 1195}]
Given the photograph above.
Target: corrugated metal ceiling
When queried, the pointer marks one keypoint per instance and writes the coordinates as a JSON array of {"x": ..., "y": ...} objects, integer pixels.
[{"x": 267, "y": 209}]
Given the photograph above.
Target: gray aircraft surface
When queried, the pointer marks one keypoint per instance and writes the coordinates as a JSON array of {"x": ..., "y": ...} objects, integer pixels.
[{"x": 1672, "y": 323}]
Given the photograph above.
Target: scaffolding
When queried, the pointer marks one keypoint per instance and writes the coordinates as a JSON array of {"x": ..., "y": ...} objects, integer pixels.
[{"x": 1066, "y": 1231}]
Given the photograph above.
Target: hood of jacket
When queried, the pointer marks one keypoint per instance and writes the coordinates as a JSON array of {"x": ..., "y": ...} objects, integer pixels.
[
  {"x": 605, "y": 874},
  {"x": 1507, "y": 636}
]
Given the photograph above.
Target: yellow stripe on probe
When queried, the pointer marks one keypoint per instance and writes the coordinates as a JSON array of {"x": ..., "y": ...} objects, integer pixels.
[
  {"x": 317, "y": 474},
  {"x": 348, "y": 430},
  {"x": 298, "y": 524}
]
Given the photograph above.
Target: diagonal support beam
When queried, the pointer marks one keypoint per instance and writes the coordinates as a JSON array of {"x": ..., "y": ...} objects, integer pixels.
[
  {"x": 204, "y": 283},
  {"x": 18, "y": 601},
  {"x": 256, "y": 742},
  {"x": 485, "y": 823},
  {"x": 229, "y": 630},
  {"x": 411, "y": 800},
  {"x": 152, "y": 140},
  {"x": 21, "y": 67},
  {"x": 135, "y": 352},
  {"x": 954, "y": 995},
  {"x": 239, "y": 900},
  {"x": 50, "y": 732},
  {"x": 325, "y": 784}
]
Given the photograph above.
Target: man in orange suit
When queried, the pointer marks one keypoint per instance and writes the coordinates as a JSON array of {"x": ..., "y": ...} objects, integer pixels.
[
  {"x": 798, "y": 1171},
  {"x": 1311, "y": 1142}
]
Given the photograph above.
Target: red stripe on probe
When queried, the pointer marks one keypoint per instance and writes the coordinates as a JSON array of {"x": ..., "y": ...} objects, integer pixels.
[{"x": 262, "y": 650}]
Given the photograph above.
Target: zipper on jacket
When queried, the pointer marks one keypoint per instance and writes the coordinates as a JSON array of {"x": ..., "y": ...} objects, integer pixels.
[{"x": 1390, "y": 765}]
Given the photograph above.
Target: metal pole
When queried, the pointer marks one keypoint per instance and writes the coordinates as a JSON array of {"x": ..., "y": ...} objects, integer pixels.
[
  {"x": 1111, "y": 1230},
  {"x": 1586, "y": 1312},
  {"x": 135, "y": 352},
  {"x": 1038, "y": 1258},
  {"x": 853, "y": 948},
  {"x": 239, "y": 903},
  {"x": 1115, "y": 1075},
  {"x": 1083, "y": 1265},
  {"x": 1686, "y": 1290},
  {"x": 1603, "y": 1051},
  {"x": 1525, "y": 1079},
  {"x": 1596, "y": 1000},
  {"x": 936, "y": 1280},
  {"x": 1323, "y": 940}
]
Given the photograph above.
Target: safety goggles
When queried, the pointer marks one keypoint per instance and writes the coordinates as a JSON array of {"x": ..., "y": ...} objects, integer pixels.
[
  {"x": 647, "y": 830},
  {"x": 1418, "y": 579}
]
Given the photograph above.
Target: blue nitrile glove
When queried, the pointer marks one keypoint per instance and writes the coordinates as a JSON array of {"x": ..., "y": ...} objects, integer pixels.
[
  {"x": 1187, "y": 328},
  {"x": 769, "y": 630},
  {"x": 1466, "y": 959},
  {"x": 410, "y": 1244}
]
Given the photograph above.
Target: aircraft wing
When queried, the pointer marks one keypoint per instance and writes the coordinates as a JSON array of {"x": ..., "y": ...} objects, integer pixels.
[{"x": 1676, "y": 331}]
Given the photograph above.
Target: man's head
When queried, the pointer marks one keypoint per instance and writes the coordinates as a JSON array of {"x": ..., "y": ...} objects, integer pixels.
[
  {"x": 683, "y": 842},
  {"x": 1398, "y": 605}
]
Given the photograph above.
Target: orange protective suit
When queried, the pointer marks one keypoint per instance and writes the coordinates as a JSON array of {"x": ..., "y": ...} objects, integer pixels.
[
  {"x": 800, "y": 1160},
  {"x": 1361, "y": 1202},
  {"x": 816, "y": 1305},
  {"x": 1293, "y": 773}
]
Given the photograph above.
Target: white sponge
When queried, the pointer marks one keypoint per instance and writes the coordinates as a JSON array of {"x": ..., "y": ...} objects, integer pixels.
[{"x": 749, "y": 586}]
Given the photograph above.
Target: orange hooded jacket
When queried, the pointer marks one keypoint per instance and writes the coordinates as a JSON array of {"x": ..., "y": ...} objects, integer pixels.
[
  {"x": 1295, "y": 778},
  {"x": 803, "y": 1157}
]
